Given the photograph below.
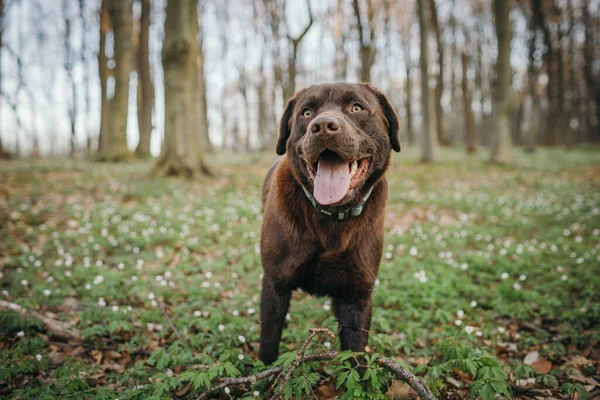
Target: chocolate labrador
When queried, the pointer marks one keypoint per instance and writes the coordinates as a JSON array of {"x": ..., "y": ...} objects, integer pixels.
[{"x": 324, "y": 204}]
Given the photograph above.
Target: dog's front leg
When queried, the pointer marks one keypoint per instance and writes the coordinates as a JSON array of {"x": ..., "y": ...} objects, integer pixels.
[
  {"x": 354, "y": 318},
  {"x": 274, "y": 306}
]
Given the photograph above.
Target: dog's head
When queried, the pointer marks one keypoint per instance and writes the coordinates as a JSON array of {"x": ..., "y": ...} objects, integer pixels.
[{"x": 339, "y": 139}]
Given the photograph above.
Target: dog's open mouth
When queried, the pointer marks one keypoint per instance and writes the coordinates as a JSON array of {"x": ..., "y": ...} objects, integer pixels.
[{"x": 334, "y": 177}]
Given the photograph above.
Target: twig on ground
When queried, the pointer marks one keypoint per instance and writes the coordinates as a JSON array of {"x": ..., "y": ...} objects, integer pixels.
[
  {"x": 300, "y": 357},
  {"x": 400, "y": 373},
  {"x": 168, "y": 317},
  {"x": 53, "y": 327},
  {"x": 252, "y": 379}
]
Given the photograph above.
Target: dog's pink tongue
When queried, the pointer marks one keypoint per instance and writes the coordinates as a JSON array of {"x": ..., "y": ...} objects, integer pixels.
[{"x": 333, "y": 179}]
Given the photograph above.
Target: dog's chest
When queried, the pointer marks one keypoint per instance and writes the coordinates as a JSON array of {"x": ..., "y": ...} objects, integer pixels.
[{"x": 334, "y": 275}]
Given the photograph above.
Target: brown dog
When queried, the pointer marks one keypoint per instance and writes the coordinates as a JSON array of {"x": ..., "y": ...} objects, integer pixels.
[{"x": 324, "y": 204}]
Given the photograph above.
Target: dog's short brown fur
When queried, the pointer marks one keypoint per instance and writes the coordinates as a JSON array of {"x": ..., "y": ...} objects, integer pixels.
[{"x": 300, "y": 246}]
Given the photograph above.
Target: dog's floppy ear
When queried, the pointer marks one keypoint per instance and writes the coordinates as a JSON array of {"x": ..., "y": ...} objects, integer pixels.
[
  {"x": 284, "y": 127},
  {"x": 391, "y": 117},
  {"x": 284, "y": 124}
]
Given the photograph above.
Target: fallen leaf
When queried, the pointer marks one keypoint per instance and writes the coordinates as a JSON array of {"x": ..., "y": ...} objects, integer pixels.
[
  {"x": 421, "y": 361},
  {"x": 326, "y": 391},
  {"x": 97, "y": 356},
  {"x": 400, "y": 390},
  {"x": 542, "y": 366}
]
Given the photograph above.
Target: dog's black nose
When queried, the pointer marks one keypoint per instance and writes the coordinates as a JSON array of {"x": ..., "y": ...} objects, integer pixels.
[{"x": 324, "y": 124}]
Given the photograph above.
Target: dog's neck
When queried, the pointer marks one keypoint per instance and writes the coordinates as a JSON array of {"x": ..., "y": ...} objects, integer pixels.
[{"x": 339, "y": 215}]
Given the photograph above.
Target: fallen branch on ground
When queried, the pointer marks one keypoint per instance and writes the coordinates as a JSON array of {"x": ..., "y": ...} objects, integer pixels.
[
  {"x": 53, "y": 327},
  {"x": 399, "y": 372}
]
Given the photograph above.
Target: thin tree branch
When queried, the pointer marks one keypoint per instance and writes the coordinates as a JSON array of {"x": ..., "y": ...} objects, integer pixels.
[
  {"x": 299, "y": 38},
  {"x": 300, "y": 357},
  {"x": 399, "y": 372}
]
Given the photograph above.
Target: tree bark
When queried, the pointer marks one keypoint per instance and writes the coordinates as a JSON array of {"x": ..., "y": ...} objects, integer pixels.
[
  {"x": 532, "y": 103},
  {"x": 501, "y": 141},
  {"x": 455, "y": 120},
  {"x": 103, "y": 72},
  {"x": 471, "y": 134},
  {"x": 439, "y": 86},
  {"x": 408, "y": 99},
  {"x": 549, "y": 138},
  {"x": 181, "y": 152},
  {"x": 428, "y": 136},
  {"x": 264, "y": 132},
  {"x": 86, "y": 77},
  {"x": 69, "y": 63},
  {"x": 592, "y": 79},
  {"x": 2, "y": 151},
  {"x": 121, "y": 15},
  {"x": 204, "y": 127},
  {"x": 145, "y": 87},
  {"x": 367, "y": 44},
  {"x": 341, "y": 58},
  {"x": 562, "y": 123}
]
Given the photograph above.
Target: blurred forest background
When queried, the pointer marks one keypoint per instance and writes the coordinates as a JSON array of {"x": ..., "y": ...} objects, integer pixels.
[
  {"x": 90, "y": 77},
  {"x": 117, "y": 286}
]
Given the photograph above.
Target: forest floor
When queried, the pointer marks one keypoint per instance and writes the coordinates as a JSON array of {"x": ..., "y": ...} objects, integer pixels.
[{"x": 489, "y": 284}]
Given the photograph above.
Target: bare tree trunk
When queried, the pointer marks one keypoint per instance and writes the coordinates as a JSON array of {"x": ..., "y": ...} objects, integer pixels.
[
  {"x": 573, "y": 101},
  {"x": 121, "y": 15},
  {"x": 592, "y": 78},
  {"x": 367, "y": 44},
  {"x": 243, "y": 86},
  {"x": 274, "y": 11},
  {"x": 455, "y": 120},
  {"x": 428, "y": 136},
  {"x": 562, "y": 124},
  {"x": 290, "y": 87},
  {"x": 262, "y": 120},
  {"x": 204, "y": 127},
  {"x": 86, "y": 77},
  {"x": 501, "y": 141},
  {"x": 549, "y": 138},
  {"x": 341, "y": 58},
  {"x": 181, "y": 152},
  {"x": 145, "y": 87},
  {"x": 2, "y": 151},
  {"x": 439, "y": 87},
  {"x": 408, "y": 100},
  {"x": 103, "y": 72},
  {"x": 471, "y": 135},
  {"x": 532, "y": 104},
  {"x": 69, "y": 64}
]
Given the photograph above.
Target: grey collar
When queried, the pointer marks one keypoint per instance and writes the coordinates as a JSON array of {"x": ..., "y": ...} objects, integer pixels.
[{"x": 339, "y": 215}]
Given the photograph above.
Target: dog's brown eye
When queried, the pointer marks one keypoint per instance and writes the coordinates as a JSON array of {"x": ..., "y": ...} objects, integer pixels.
[
  {"x": 306, "y": 113},
  {"x": 357, "y": 107}
]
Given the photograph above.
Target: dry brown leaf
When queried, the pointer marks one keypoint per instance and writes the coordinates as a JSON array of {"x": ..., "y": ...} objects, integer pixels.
[
  {"x": 326, "y": 391},
  {"x": 578, "y": 376},
  {"x": 400, "y": 390},
  {"x": 184, "y": 390},
  {"x": 97, "y": 356},
  {"x": 421, "y": 361},
  {"x": 75, "y": 350},
  {"x": 542, "y": 366}
]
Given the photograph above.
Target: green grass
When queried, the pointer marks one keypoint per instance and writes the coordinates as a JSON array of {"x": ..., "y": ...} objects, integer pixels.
[{"x": 482, "y": 265}]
